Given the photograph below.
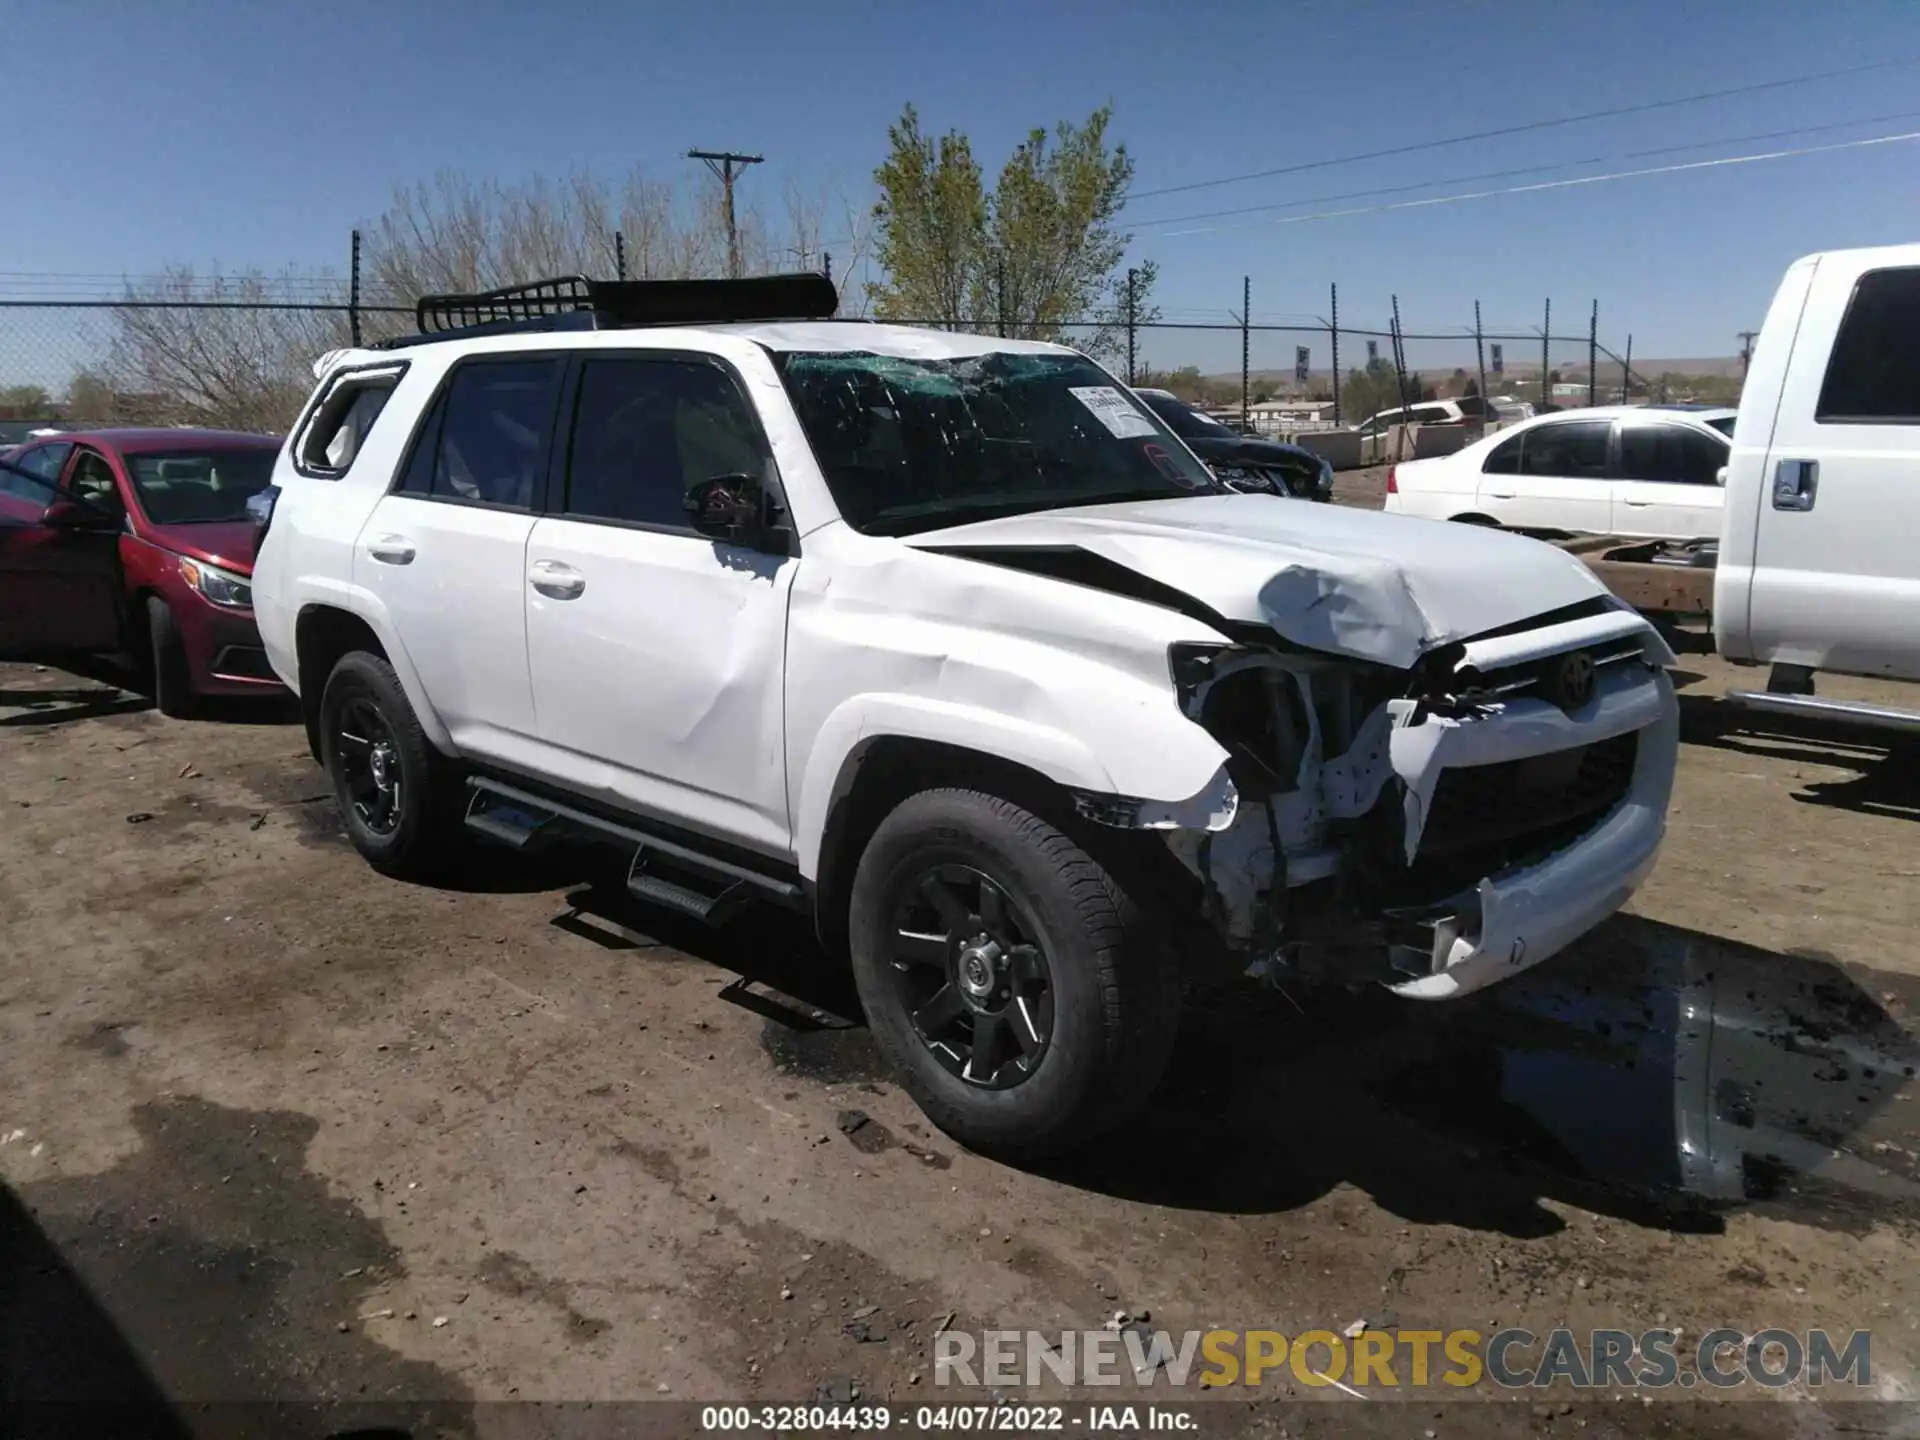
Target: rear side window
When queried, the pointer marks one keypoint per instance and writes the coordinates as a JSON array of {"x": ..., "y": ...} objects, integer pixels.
[
  {"x": 494, "y": 430},
  {"x": 1672, "y": 454},
  {"x": 647, "y": 430},
  {"x": 1505, "y": 459},
  {"x": 333, "y": 438},
  {"x": 1576, "y": 450},
  {"x": 1873, "y": 376}
]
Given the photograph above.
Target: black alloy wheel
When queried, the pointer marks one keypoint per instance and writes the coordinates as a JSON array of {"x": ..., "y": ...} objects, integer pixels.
[{"x": 973, "y": 976}]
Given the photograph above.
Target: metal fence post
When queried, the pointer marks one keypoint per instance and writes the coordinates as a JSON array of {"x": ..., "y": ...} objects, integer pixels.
[
  {"x": 1480, "y": 361},
  {"x": 1626, "y": 374},
  {"x": 1400, "y": 382},
  {"x": 1246, "y": 342},
  {"x": 619, "y": 256},
  {"x": 1000, "y": 293},
  {"x": 1593, "y": 355},
  {"x": 1132, "y": 322},
  {"x": 353, "y": 292},
  {"x": 1546, "y": 357},
  {"x": 1333, "y": 330}
]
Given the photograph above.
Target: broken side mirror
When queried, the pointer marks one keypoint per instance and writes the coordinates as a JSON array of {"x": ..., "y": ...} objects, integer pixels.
[{"x": 734, "y": 508}]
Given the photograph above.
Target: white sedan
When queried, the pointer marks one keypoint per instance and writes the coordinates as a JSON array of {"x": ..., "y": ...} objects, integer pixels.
[{"x": 1635, "y": 470}]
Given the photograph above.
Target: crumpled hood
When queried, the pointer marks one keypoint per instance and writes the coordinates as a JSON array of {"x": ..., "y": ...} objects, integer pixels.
[{"x": 1326, "y": 577}]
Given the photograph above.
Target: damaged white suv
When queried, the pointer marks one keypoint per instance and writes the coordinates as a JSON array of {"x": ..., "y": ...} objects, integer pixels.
[{"x": 949, "y": 643}]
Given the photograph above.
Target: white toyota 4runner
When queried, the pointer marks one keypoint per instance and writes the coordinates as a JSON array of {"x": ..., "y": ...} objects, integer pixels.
[{"x": 948, "y": 643}]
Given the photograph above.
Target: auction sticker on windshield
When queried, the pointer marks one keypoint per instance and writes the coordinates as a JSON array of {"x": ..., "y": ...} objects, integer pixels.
[{"x": 1113, "y": 410}]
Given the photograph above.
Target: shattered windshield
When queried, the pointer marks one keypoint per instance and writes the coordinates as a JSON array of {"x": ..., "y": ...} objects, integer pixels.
[{"x": 912, "y": 445}]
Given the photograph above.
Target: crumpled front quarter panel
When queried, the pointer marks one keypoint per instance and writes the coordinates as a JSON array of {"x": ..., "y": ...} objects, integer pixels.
[{"x": 887, "y": 640}]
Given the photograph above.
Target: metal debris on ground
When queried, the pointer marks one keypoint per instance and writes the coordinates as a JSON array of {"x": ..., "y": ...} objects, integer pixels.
[{"x": 139, "y": 817}]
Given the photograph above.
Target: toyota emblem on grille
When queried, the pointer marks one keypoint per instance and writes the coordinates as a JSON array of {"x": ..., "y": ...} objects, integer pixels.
[{"x": 1568, "y": 682}]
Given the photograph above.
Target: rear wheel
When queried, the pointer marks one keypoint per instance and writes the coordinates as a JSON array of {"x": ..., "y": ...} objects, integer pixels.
[
  {"x": 396, "y": 793},
  {"x": 1015, "y": 987}
]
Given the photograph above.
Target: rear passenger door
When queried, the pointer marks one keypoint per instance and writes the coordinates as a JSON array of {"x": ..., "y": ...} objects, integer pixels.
[
  {"x": 658, "y": 654},
  {"x": 1668, "y": 482},
  {"x": 1552, "y": 476},
  {"x": 446, "y": 551}
]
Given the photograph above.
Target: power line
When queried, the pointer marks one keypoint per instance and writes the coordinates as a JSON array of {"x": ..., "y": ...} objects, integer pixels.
[
  {"x": 1526, "y": 127},
  {"x": 1530, "y": 169},
  {"x": 1563, "y": 184}
]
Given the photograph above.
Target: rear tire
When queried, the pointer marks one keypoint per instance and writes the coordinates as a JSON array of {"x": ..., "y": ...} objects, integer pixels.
[
  {"x": 170, "y": 675},
  {"x": 1021, "y": 996},
  {"x": 398, "y": 796}
]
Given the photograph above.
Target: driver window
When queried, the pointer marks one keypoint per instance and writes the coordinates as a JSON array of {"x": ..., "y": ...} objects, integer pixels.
[
  {"x": 647, "y": 430},
  {"x": 91, "y": 480}
]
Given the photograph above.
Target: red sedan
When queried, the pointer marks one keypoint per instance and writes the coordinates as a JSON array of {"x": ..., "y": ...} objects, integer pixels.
[{"x": 137, "y": 540}]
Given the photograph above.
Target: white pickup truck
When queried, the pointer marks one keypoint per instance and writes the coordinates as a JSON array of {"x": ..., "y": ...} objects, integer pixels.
[
  {"x": 1819, "y": 562},
  {"x": 949, "y": 644}
]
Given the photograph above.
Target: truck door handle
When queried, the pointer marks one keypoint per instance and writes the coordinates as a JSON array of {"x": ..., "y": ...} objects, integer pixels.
[
  {"x": 1500, "y": 494},
  {"x": 1794, "y": 484},
  {"x": 392, "y": 550},
  {"x": 556, "y": 581},
  {"x": 1636, "y": 504}
]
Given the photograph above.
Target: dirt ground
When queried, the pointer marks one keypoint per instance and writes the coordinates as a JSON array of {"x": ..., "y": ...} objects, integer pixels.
[{"x": 273, "y": 1127}]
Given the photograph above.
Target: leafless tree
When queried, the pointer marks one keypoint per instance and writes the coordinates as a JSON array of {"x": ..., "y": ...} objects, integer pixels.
[
  {"x": 238, "y": 350},
  {"x": 225, "y": 351}
]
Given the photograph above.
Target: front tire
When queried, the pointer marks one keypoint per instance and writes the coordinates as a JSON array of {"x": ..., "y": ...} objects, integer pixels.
[
  {"x": 397, "y": 795},
  {"x": 168, "y": 671},
  {"x": 1016, "y": 989}
]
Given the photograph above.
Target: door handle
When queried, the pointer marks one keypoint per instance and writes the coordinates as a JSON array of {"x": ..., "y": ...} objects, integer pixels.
[
  {"x": 392, "y": 550},
  {"x": 1636, "y": 504},
  {"x": 1500, "y": 494},
  {"x": 556, "y": 581},
  {"x": 1794, "y": 484}
]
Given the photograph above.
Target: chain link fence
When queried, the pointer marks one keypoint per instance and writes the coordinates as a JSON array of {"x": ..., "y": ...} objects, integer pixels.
[{"x": 245, "y": 361}]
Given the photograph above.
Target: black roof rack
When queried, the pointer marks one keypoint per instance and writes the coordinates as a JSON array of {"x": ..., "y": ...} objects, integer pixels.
[{"x": 573, "y": 302}]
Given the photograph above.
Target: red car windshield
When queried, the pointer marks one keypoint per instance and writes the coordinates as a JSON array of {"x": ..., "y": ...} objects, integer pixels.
[{"x": 199, "y": 487}]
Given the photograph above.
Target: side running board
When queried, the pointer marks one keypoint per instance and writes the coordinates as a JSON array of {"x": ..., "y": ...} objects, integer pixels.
[{"x": 664, "y": 872}]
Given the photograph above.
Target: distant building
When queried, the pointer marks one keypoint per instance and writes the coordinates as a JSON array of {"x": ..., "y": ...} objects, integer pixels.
[{"x": 1277, "y": 417}]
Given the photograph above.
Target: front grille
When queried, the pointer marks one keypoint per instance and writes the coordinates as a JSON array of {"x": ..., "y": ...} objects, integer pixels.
[
  {"x": 1523, "y": 681},
  {"x": 1509, "y": 812}
]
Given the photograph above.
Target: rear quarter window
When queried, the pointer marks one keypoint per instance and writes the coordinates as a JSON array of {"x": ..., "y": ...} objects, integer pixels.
[
  {"x": 1873, "y": 375},
  {"x": 340, "y": 419}
]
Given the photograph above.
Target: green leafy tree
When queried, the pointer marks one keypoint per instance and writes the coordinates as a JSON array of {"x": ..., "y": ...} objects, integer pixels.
[
  {"x": 1038, "y": 255},
  {"x": 930, "y": 227},
  {"x": 26, "y": 402}
]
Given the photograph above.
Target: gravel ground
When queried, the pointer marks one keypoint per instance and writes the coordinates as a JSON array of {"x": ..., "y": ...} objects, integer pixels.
[{"x": 273, "y": 1127}]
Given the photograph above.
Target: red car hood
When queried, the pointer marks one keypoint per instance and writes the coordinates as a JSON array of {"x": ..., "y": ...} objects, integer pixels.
[{"x": 226, "y": 543}]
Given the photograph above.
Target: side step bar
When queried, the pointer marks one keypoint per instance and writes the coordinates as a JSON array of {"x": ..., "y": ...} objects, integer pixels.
[
  {"x": 1812, "y": 707},
  {"x": 662, "y": 871}
]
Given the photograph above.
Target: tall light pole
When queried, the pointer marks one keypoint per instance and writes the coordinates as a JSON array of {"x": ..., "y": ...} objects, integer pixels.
[{"x": 725, "y": 165}]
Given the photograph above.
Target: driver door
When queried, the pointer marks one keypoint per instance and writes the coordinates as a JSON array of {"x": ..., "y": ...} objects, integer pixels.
[{"x": 60, "y": 586}]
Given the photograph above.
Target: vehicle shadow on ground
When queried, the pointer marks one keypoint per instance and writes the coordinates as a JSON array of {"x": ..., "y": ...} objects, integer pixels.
[
  {"x": 118, "y": 689},
  {"x": 205, "y": 1284},
  {"x": 1653, "y": 1074},
  {"x": 1887, "y": 767}
]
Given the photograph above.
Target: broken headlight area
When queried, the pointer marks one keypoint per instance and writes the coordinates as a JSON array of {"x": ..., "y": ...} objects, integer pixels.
[{"x": 1337, "y": 866}]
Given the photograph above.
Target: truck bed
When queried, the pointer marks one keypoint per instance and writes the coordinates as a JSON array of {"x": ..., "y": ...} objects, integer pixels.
[{"x": 1666, "y": 577}]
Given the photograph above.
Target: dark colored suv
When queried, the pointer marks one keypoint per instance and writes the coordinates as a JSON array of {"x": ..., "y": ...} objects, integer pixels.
[{"x": 1241, "y": 462}]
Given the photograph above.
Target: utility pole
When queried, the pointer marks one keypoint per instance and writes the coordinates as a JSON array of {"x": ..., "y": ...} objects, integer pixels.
[
  {"x": 1546, "y": 357},
  {"x": 725, "y": 165},
  {"x": 1132, "y": 322},
  {"x": 1593, "y": 356},
  {"x": 1333, "y": 333},
  {"x": 1747, "y": 337},
  {"x": 1246, "y": 345}
]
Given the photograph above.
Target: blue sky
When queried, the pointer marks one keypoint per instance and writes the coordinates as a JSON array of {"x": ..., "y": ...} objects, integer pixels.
[{"x": 257, "y": 134}]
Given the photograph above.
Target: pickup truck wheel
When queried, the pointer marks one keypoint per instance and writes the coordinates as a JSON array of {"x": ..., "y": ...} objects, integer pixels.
[
  {"x": 394, "y": 791},
  {"x": 1007, "y": 977}
]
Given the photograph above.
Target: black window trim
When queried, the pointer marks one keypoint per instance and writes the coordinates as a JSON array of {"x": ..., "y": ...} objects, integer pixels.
[
  {"x": 297, "y": 437},
  {"x": 1820, "y": 415},
  {"x": 561, "y": 472},
  {"x": 432, "y": 420}
]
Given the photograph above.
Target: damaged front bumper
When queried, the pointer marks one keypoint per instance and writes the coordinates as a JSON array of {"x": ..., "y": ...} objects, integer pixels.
[
  {"x": 1518, "y": 918},
  {"x": 1260, "y": 860}
]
